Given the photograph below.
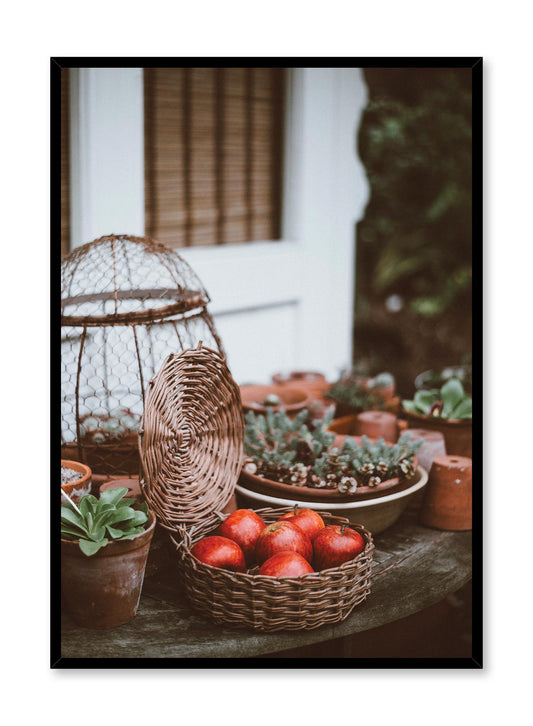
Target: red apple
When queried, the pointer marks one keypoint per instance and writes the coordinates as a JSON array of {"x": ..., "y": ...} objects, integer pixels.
[
  {"x": 282, "y": 537},
  {"x": 220, "y": 552},
  {"x": 336, "y": 544},
  {"x": 243, "y": 526},
  {"x": 309, "y": 521},
  {"x": 285, "y": 564}
]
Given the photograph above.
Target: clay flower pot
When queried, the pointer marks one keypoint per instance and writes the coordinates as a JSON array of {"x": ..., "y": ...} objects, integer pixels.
[
  {"x": 132, "y": 485},
  {"x": 369, "y": 423},
  {"x": 80, "y": 487},
  {"x": 271, "y": 488},
  {"x": 293, "y": 400},
  {"x": 433, "y": 446},
  {"x": 457, "y": 432},
  {"x": 448, "y": 499},
  {"x": 312, "y": 382},
  {"x": 103, "y": 591}
]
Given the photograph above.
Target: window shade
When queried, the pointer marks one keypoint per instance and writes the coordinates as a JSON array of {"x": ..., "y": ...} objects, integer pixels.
[
  {"x": 65, "y": 163},
  {"x": 213, "y": 154}
]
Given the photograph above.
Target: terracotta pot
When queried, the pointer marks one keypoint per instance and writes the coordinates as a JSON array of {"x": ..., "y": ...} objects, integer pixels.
[
  {"x": 433, "y": 446},
  {"x": 132, "y": 485},
  {"x": 293, "y": 399},
  {"x": 457, "y": 433},
  {"x": 271, "y": 488},
  {"x": 103, "y": 591},
  {"x": 448, "y": 499},
  {"x": 313, "y": 383},
  {"x": 77, "y": 489},
  {"x": 369, "y": 423}
]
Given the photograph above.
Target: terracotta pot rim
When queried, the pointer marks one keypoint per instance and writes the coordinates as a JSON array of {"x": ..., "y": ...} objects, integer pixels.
[
  {"x": 81, "y": 469},
  {"x": 257, "y": 407},
  {"x": 297, "y": 376},
  {"x": 437, "y": 419},
  {"x": 332, "y": 495},
  {"x": 417, "y": 483},
  {"x": 113, "y": 548}
]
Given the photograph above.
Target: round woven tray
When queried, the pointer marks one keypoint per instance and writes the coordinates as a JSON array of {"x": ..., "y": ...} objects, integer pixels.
[
  {"x": 270, "y": 603},
  {"x": 191, "y": 439}
]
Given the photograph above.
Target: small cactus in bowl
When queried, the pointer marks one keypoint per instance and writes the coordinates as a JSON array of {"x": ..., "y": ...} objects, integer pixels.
[{"x": 301, "y": 454}]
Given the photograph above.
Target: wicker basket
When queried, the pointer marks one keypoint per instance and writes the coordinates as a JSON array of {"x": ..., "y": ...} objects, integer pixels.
[
  {"x": 191, "y": 445},
  {"x": 271, "y": 603}
]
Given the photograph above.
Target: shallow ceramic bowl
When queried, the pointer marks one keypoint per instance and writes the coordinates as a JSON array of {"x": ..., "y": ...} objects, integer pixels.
[{"x": 374, "y": 514}]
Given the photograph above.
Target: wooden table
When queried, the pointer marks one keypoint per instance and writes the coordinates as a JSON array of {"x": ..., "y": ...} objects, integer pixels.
[{"x": 414, "y": 568}]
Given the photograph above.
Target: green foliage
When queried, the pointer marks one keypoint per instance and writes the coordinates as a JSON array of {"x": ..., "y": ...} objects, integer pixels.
[
  {"x": 111, "y": 517},
  {"x": 415, "y": 142},
  {"x": 450, "y": 402},
  {"x": 358, "y": 396},
  {"x": 294, "y": 453}
]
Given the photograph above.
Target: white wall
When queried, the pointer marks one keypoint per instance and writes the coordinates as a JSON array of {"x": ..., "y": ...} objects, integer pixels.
[{"x": 277, "y": 304}]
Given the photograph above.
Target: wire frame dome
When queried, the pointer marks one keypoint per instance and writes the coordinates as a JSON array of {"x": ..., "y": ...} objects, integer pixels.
[
  {"x": 126, "y": 304},
  {"x": 191, "y": 439}
]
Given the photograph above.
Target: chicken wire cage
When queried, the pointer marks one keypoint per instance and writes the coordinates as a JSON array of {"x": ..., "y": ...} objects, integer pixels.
[{"x": 126, "y": 304}]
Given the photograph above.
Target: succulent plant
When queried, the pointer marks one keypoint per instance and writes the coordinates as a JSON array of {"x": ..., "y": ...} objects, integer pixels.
[
  {"x": 450, "y": 402},
  {"x": 292, "y": 452},
  {"x": 99, "y": 429},
  {"x": 94, "y": 522},
  {"x": 360, "y": 394}
]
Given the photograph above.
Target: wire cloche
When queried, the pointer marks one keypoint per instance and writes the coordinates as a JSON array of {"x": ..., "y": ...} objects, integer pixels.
[{"x": 126, "y": 304}]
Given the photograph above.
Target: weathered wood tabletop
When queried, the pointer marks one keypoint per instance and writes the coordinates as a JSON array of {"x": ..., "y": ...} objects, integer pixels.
[{"x": 414, "y": 568}]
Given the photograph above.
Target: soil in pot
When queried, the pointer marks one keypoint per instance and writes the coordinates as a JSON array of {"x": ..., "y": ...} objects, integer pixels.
[{"x": 103, "y": 591}]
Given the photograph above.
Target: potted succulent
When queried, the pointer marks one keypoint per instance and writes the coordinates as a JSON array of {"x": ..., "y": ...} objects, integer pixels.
[
  {"x": 290, "y": 462},
  {"x": 283, "y": 454},
  {"x": 104, "y": 548},
  {"x": 432, "y": 379},
  {"x": 448, "y": 410},
  {"x": 353, "y": 393}
]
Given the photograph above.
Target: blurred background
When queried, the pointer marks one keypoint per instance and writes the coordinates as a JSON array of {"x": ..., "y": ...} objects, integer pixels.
[
  {"x": 327, "y": 211},
  {"x": 414, "y": 243}
]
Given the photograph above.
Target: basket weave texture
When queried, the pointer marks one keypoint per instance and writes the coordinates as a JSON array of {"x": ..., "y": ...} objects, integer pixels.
[
  {"x": 248, "y": 600},
  {"x": 191, "y": 439},
  {"x": 191, "y": 446}
]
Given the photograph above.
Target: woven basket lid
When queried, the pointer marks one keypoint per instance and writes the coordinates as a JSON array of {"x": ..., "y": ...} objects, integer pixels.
[{"x": 191, "y": 438}]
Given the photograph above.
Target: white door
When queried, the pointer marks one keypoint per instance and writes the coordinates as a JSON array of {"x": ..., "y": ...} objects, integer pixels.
[{"x": 278, "y": 305}]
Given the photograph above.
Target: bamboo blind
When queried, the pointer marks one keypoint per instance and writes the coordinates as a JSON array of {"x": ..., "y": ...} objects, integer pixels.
[
  {"x": 65, "y": 163},
  {"x": 212, "y": 154}
]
